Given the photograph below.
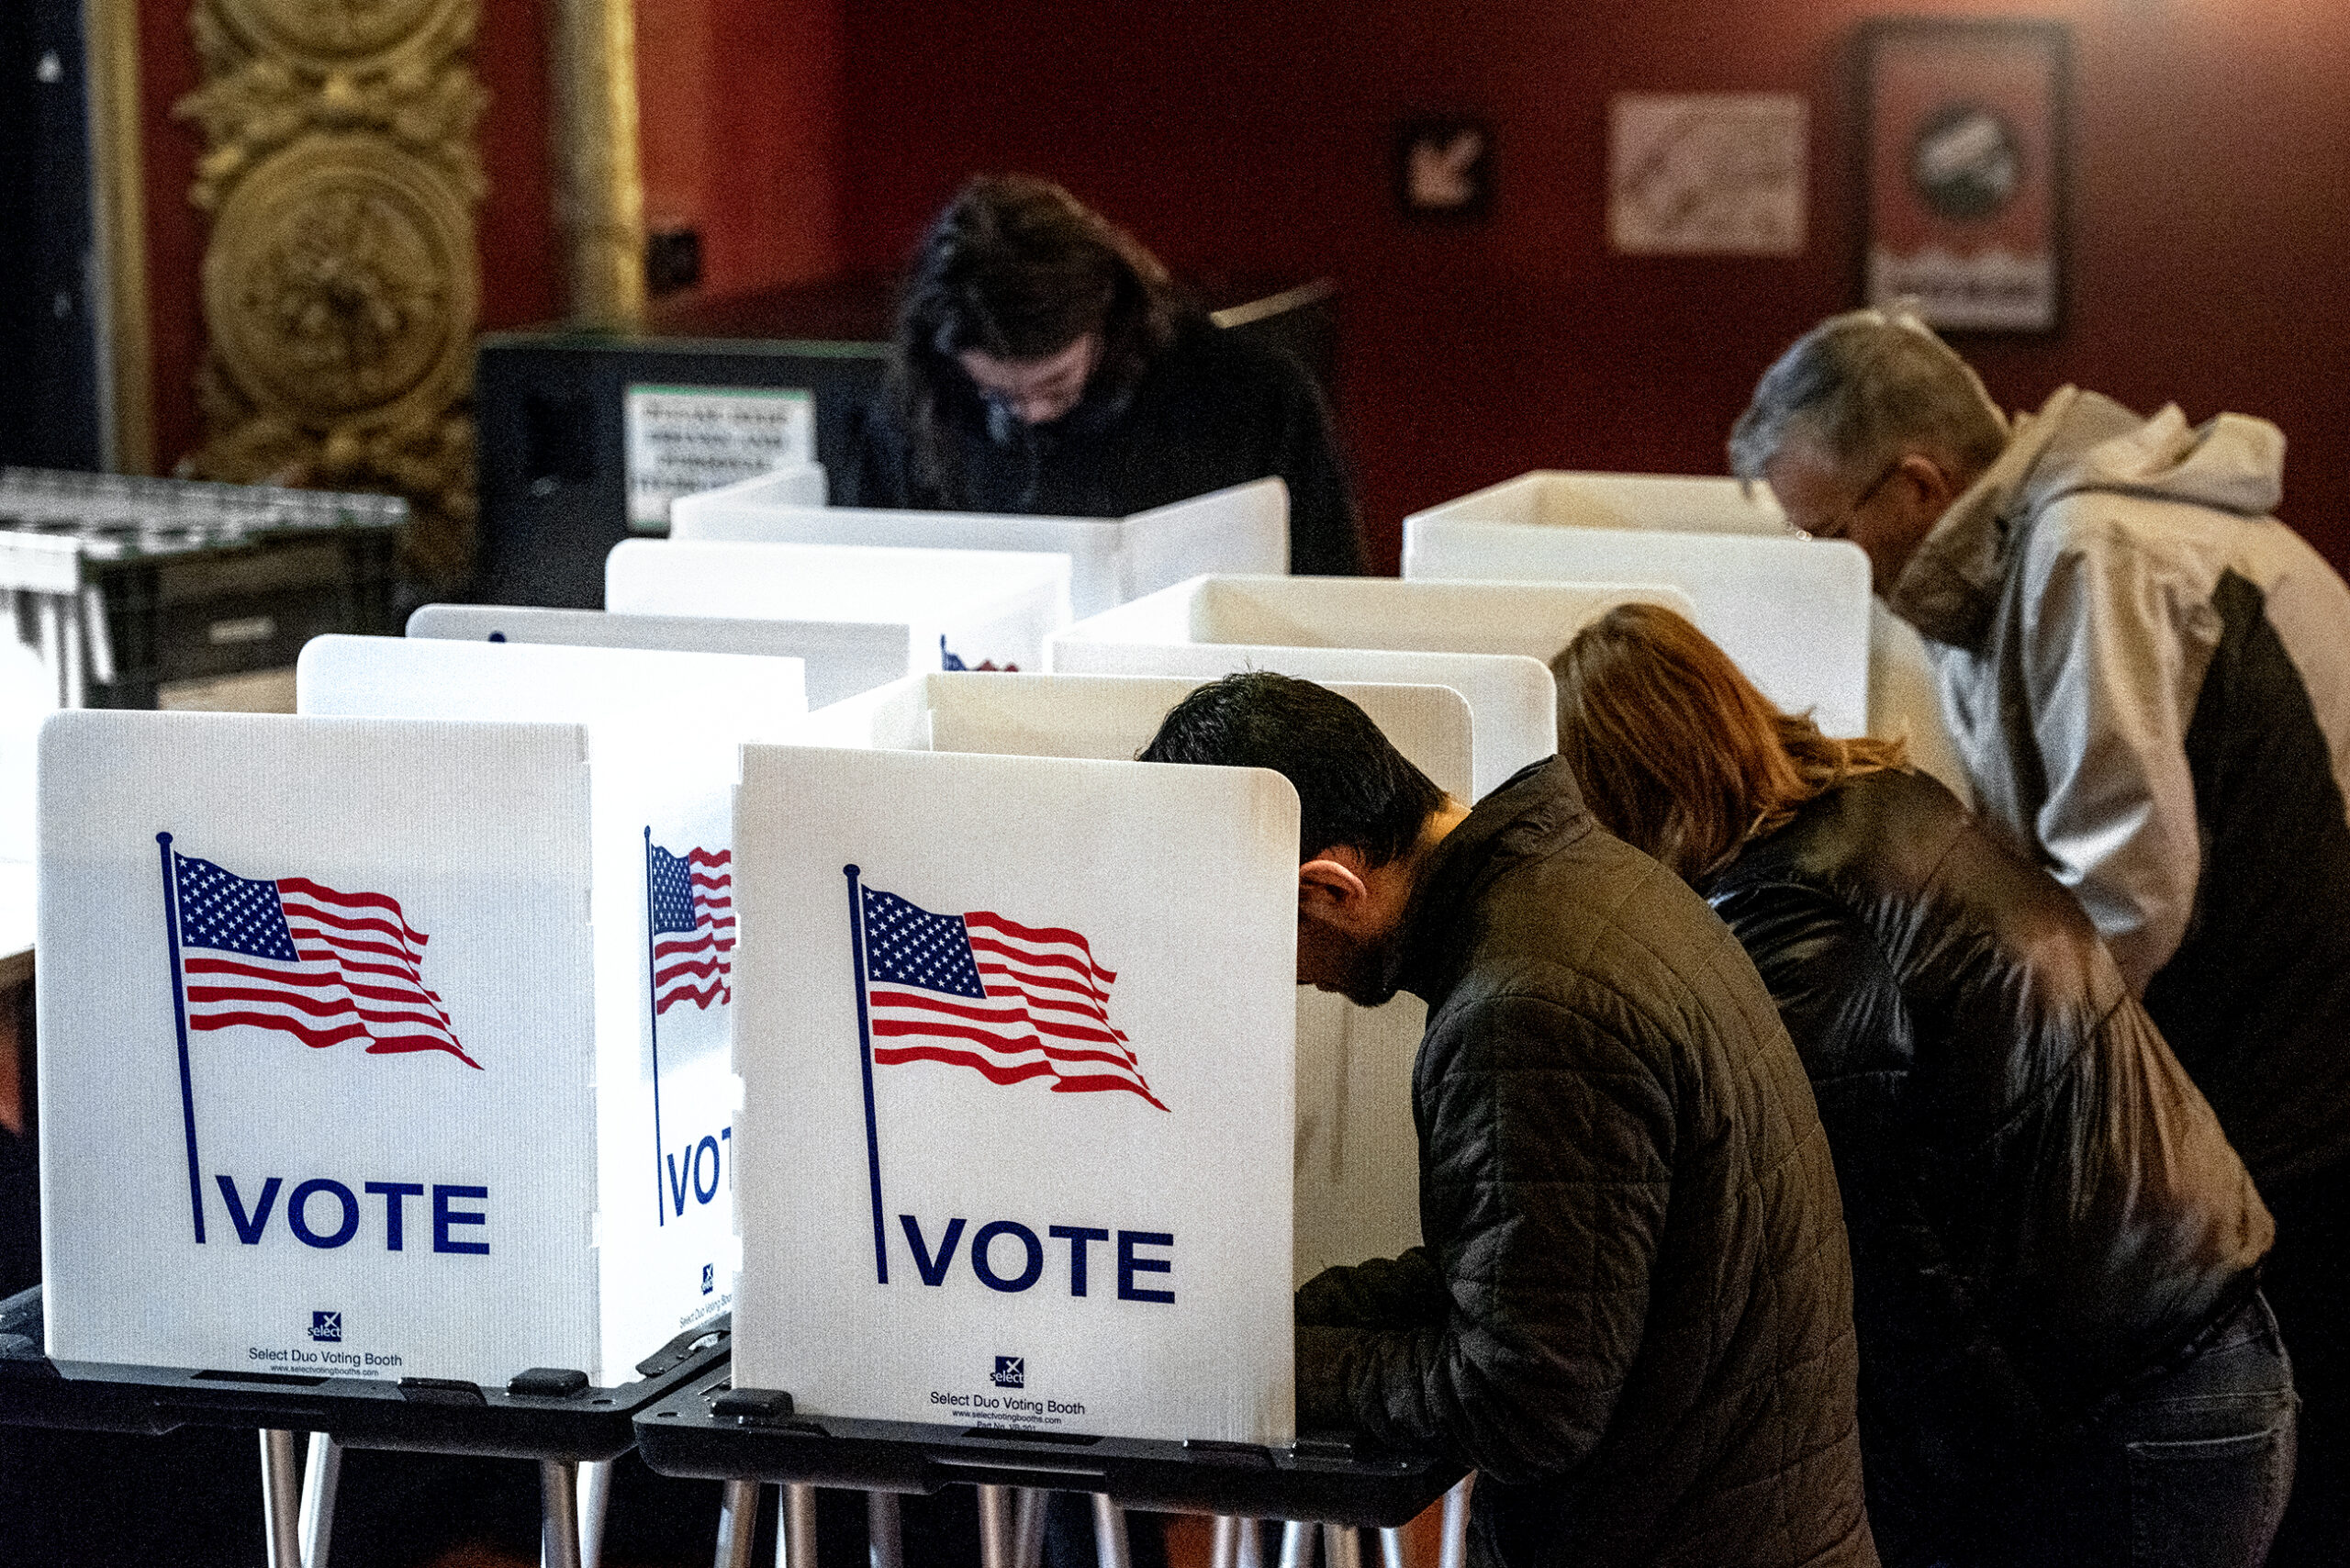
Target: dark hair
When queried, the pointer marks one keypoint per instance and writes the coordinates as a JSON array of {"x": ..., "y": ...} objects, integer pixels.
[
  {"x": 1677, "y": 753},
  {"x": 1017, "y": 268},
  {"x": 1355, "y": 787}
]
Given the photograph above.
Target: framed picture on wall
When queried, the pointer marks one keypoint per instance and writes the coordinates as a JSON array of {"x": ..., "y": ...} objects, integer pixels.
[{"x": 1963, "y": 163}]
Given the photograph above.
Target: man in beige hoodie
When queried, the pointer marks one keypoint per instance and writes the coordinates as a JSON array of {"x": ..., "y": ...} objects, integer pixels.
[{"x": 2148, "y": 678}]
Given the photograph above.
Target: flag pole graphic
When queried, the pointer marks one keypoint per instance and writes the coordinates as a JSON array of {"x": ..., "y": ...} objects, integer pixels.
[
  {"x": 179, "y": 1017},
  {"x": 865, "y": 1053},
  {"x": 653, "y": 1002}
]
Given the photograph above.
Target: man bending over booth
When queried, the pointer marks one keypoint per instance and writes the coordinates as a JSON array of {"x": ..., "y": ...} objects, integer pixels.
[
  {"x": 2148, "y": 678},
  {"x": 1632, "y": 1313}
]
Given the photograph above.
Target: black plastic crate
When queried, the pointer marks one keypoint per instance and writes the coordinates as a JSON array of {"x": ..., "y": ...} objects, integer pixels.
[{"x": 169, "y": 580}]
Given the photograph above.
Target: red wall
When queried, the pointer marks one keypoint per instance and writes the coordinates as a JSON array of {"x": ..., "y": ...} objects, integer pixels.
[
  {"x": 740, "y": 104},
  {"x": 2211, "y": 232}
]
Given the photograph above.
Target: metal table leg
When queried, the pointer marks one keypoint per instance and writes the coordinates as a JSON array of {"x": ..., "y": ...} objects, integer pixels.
[
  {"x": 595, "y": 1499},
  {"x": 320, "y": 1477},
  {"x": 1391, "y": 1548},
  {"x": 1028, "y": 1527},
  {"x": 281, "y": 1498},
  {"x": 1108, "y": 1533},
  {"x": 995, "y": 1527},
  {"x": 558, "y": 1514},
  {"x": 738, "y": 1523},
  {"x": 795, "y": 1531},
  {"x": 1342, "y": 1546},
  {"x": 1297, "y": 1544},
  {"x": 887, "y": 1543},
  {"x": 1456, "y": 1524},
  {"x": 1251, "y": 1551}
]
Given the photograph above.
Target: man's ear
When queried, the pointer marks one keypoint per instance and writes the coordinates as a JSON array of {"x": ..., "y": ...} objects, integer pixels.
[
  {"x": 1330, "y": 887},
  {"x": 1933, "y": 483}
]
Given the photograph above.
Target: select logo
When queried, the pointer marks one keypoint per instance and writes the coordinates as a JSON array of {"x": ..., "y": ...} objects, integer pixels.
[
  {"x": 326, "y": 1327},
  {"x": 1010, "y": 1371},
  {"x": 708, "y": 1278}
]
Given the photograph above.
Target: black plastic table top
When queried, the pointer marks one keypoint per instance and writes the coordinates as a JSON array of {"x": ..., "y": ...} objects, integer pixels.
[
  {"x": 1326, "y": 1478},
  {"x": 429, "y": 1414}
]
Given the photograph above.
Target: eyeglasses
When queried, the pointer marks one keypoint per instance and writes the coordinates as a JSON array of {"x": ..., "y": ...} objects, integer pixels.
[{"x": 1842, "y": 526}]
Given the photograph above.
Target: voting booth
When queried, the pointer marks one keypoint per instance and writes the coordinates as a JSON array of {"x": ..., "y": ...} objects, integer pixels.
[
  {"x": 1356, "y": 1152},
  {"x": 1357, "y": 1196},
  {"x": 1023, "y": 1025},
  {"x": 442, "y": 995},
  {"x": 1243, "y": 529},
  {"x": 838, "y": 659},
  {"x": 884, "y": 611},
  {"x": 1490, "y": 642},
  {"x": 1786, "y": 609}
]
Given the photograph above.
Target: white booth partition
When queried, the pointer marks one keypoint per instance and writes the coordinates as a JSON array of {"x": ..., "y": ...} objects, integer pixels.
[
  {"x": 840, "y": 659},
  {"x": 1793, "y": 612},
  {"x": 1490, "y": 642},
  {"x": 1356, "y": 1193},
  {"x": 335, "y": 1040},
  {"x": 651, "y": 854},
  {"x": 1242, "y": 528},
  {"x": 874, "y": 612},
  {"x": 1017, "y": 1044},
  {"x": 1797, "y": 614},
  {"x": 1685, "y": 503}
]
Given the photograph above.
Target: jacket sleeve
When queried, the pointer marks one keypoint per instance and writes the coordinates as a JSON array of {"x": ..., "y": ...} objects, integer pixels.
[
  {"x": 2112, "y": 658},
  {"x": 1324, "y": 531},
  {"x": 1546, "y": 1169}
]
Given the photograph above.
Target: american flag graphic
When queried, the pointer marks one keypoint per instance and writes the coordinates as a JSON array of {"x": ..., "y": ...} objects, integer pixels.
[
  {"x": 1013, "y": 1002},
  {"x": 297, "y": 956},
  {"x": 692, "y": 901}
]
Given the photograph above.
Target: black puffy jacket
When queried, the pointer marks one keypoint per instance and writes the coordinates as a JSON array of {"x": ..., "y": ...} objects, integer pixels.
[
  {"x": 1632, "y": 1313},
  {"x": 2041, "y": 1203}
]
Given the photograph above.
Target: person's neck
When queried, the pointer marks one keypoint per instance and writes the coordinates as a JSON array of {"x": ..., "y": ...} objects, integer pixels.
[{"x": 1433, "y": 831}]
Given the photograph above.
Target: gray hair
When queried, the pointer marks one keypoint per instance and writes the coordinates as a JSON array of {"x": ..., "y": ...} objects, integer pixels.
[{"x": 1860, "y": 386}]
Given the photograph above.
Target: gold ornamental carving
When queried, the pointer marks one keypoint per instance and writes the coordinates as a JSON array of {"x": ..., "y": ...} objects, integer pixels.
[{"x": 340, "y": 281}]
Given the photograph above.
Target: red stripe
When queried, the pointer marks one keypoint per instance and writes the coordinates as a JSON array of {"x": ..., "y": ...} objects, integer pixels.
[
  {"x": 891, "y": 1028},
  {"x": 395, "y": 929},
  {"x": 1032, "y": 983},
  {"x": 1096, "y": 1085},
  {"x": 706, "y": 967},
  {"x": 1055, "y": 960},
  {"x": 207, "y": 996},
  {"x": 710, "y": 858},
  {"x": 994, "y": 1073},
  {"x": 715, "y": 991},
  {"x": 319, "y": 1039}
]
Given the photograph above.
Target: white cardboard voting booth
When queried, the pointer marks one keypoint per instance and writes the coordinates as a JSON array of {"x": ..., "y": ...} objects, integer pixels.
[
  {"x": 1023, "y": 1027},
  {"x": 319, "y": 1047},
  {"x": 449, "y": 1003},
  {"x": 1242, "y": 528},
  {"x": 885, "y": 611},
  {"x": 1357, "y": 1193},
  {"x": 1490, "y": 641},
  {"x": 1776, "y": 610},
  {"x": 839, "y": 658}
]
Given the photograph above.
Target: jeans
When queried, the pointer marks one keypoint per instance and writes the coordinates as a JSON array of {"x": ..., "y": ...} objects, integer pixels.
[
  {"x": 2189, "y": 1471},
  {"x": 2308, "y": 1278}
]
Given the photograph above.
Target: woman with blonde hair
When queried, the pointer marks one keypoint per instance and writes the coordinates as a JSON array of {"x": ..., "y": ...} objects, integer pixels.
[{"x": 2065, "y": 1354}]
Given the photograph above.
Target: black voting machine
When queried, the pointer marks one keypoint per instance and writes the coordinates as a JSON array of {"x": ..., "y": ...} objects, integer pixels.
[{"x": 551, "y": 402}]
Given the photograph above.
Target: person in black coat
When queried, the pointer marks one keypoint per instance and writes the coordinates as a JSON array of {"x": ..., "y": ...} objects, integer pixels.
[
  {"x": 1045, "y": 364},
  {"x": 1632, "y": 1312},
  {"x": 2064, "y": 1354}
]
